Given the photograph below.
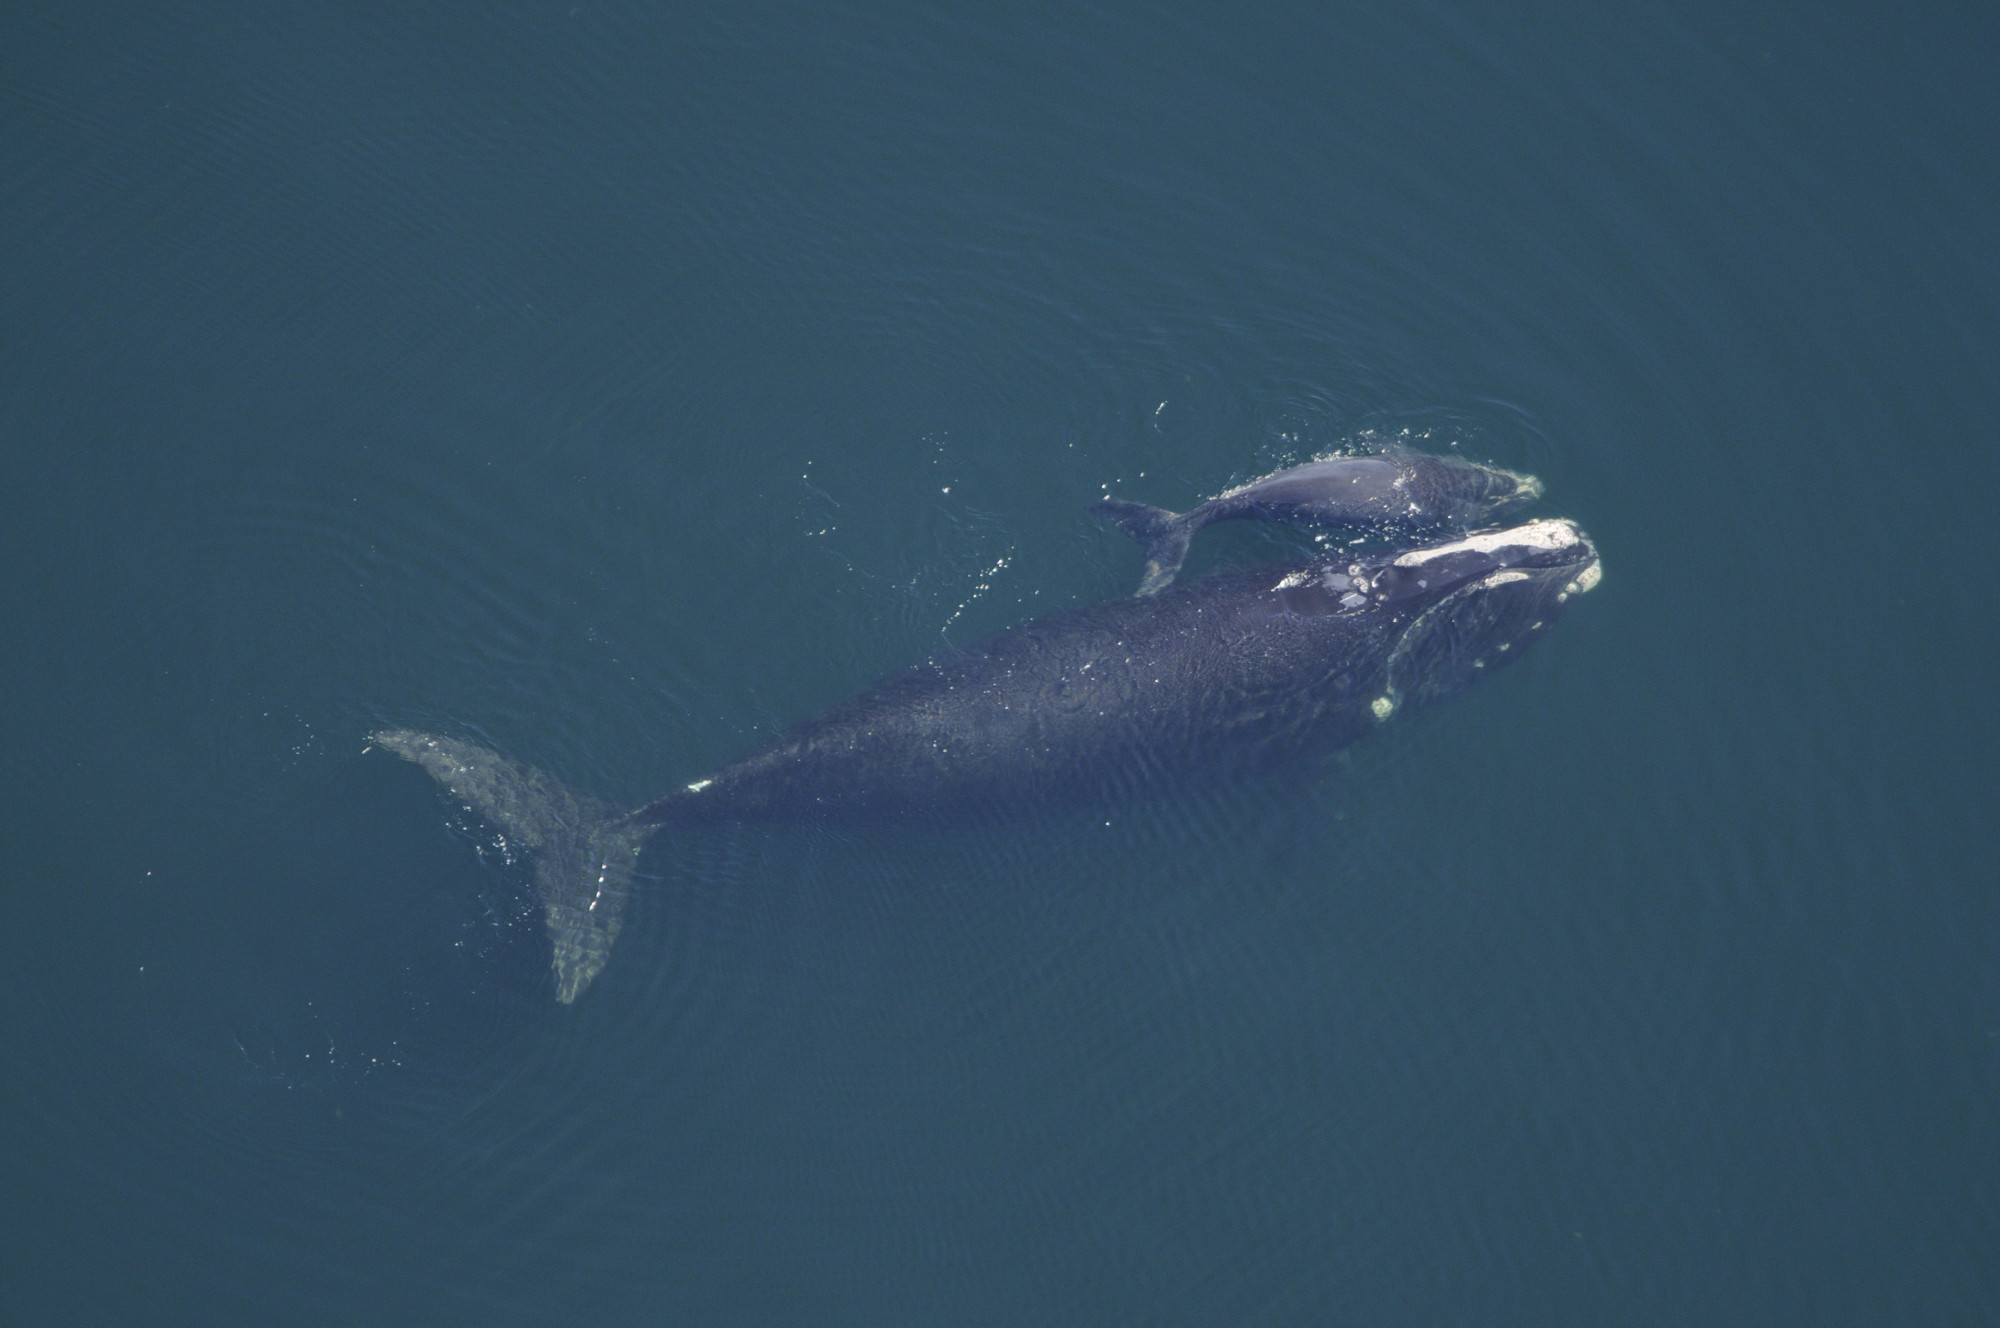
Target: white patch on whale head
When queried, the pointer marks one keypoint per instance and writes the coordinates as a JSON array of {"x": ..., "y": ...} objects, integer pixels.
[
  {"x": 699, "y": 785},
  {"x": 1383, "y": 706},
  {"x": 1547, "y": 534}
]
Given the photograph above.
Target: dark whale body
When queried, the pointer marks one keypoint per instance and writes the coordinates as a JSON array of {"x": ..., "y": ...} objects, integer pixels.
[
  {"x": 1250, "y": 668},
  {"x": 1396, "y": 491}
]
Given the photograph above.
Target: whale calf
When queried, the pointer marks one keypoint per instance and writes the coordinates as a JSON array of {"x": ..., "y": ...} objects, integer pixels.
[
  {"x": 1250, "y": 668},
  {"x": 1394, "y": 491}
]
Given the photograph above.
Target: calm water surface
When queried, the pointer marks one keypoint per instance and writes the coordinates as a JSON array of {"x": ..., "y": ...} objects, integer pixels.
[{"x": 616, "y": 386}]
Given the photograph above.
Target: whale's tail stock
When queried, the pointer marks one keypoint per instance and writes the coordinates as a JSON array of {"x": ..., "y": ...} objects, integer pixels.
[
  {"x": 1165, "y": 535},
  {"x": 581, "y": 851}
]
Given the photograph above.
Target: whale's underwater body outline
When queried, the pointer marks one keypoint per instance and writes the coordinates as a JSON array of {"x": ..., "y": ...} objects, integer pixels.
[
  {"x": 1247, "y": 668},
  {"x": 1391, "y": 491}
]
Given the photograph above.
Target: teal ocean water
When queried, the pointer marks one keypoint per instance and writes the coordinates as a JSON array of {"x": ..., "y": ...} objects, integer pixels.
[{"x": 615, "y": 386}]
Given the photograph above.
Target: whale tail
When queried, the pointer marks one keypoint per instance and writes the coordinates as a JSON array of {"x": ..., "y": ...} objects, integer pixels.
[
  {"x": 1165, "y": 535},
  {"x": 582, "y": 853}
]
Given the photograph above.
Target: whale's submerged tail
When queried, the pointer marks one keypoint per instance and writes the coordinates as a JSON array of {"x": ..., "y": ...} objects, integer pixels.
[
  {"x": 1165, "y": 535},
  {"x": 583, "y": 852}
]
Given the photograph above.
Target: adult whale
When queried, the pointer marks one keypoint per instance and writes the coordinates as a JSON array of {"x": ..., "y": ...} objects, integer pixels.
[
  {"x": 1396, "y": 491},
  {"x": 1251, "y": 667}
]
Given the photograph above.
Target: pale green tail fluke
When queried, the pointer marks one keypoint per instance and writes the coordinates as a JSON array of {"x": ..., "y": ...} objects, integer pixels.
[
  {"x": 582, "y": 852},
  {"x": 1165, "y": 534}
]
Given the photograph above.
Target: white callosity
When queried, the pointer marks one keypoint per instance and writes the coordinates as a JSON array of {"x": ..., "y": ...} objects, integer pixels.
[{"x": 1547, "y": 535}]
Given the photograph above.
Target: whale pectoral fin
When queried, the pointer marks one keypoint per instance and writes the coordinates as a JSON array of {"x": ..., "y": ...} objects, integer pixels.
[{"x": 583, "y": 854}]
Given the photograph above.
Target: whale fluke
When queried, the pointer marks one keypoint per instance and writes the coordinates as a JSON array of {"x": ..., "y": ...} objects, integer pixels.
[
  {"x": 1165, "y": 535},
  {"x": 582, "y": 852}
]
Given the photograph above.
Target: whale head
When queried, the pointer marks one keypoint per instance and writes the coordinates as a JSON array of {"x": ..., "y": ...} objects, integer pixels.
[
  {"x": 1473, "y": 604},
  {"x": 1460, "y": 492}
]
